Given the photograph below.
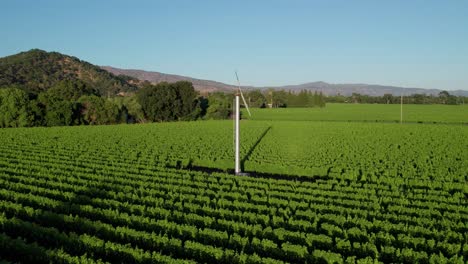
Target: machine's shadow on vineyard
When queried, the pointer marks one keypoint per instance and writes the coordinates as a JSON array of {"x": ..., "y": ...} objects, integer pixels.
[{"x": 252, "y": 148}]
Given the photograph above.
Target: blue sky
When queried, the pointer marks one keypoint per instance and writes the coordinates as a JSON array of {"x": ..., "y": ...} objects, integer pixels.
[{"x": 405, "y": 43}]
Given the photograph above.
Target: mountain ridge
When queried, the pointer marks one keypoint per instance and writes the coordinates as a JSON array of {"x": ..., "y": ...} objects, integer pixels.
[
  {"x": 157, "y": 77},
  {"x": 37, "y": 70},
  {"x": 346, "y": 89}
]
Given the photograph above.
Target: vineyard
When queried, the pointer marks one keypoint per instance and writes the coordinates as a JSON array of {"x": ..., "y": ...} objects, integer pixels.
[
  {"x": 319, "y": 192},
  {"x": 369, "y": 113}
]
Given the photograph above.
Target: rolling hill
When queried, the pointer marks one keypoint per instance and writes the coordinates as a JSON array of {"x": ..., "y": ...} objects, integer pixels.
[
  {"x": 157, "y": 77},
  {"x": 326, "y": 88},
  {"x": 37, "y": 70}
]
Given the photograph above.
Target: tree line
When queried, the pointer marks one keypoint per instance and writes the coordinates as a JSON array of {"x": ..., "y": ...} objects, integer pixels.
[
  {"x": 75, "y": 103},
  {"x": 443, "y": 97},
  {"x": 281, "y": 98}
]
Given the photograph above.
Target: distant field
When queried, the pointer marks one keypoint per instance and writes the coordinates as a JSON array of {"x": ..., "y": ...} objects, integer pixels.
[
  {"x": 327, "y": 192},
  {"x": 367, "y": 112}
]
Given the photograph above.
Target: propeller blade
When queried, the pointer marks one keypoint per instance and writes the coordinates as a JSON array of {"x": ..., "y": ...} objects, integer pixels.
[
  {"x": 242, "y": 95},
  {"x": 245, "y": 103}
]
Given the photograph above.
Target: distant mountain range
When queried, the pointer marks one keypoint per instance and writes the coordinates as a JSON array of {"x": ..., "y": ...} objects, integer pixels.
[
  {"x": 326, "y": 88},
  {"x": 37, "y": 70},
  {"x": 157, "y": 77}
]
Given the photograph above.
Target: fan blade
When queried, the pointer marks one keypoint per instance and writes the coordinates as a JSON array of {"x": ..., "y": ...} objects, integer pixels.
[
  {"x": 242, "y": 95},
  {"x": 245, "y": 103}
]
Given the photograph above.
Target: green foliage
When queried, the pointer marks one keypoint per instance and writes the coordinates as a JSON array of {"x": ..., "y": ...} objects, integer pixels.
[
  {"x": 305, "y": 98},
  {"x": 446, "y": 98},
  {"x": 14, "y": 108},
  {"x": 130, "y": 109},
  {"x": 37, "y": 112},
  {"x": 219, "y": 106},
  {"x": 278, "y": 98},
  {"x": 281, "y": 99},
  {"x": 60, "y": 104},
  {"x": 256, "y": 98},
  {"x": 443, "y": 98},
  {"x": 96, "y": 110},
  {"x": 66, "y": 103},
  {"x": 58, "y": 111},
  {"x": 167, "y": 101},
  {"x": 70, "y": 90}
]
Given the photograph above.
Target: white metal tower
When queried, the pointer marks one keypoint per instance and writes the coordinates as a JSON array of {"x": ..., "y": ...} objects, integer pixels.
[{"x": 237, "y": 167}]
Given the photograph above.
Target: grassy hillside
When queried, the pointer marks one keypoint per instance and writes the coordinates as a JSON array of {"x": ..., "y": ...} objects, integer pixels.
[{"x": 37, "y": 70}]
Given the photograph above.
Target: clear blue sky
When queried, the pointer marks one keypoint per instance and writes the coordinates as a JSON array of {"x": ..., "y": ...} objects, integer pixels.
[{"x": 405, "y": 43}]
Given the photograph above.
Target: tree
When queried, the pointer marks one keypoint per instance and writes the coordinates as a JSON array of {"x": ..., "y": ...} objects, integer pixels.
[
  {"x": 321, "y": 100},
  {"x": 443, "y": 96},
  {"x": 279, "y": 98},
  {"x": 130, "y": 109},
  {"x": 14, "y": 108},
  {"x": 38, "y": 112},
  {"x": 92, "y": 110},
  {"x": 387, "y": 98},
  {"x": 447, "y": 98},
  {"x": 167, "y": 102},
  {"x": 59, "y": 112},
  {"x": 60, "y": 104},
  {"x": 356, "y": 98},
  {"x": 111, "y": 113},
  {"x": 302, "y": 99},
  {"x": 157, "y": 102},
  {"x": 219, "y": 106},
  {"x": 255, "y": 98},
  {"x": 201, "y": 106},
  {"x": 186, "y": 99},
  {"x": 71, "y": 90},
  {"x": 316, "y": 99},
  {"x": 292, "y": 99}
]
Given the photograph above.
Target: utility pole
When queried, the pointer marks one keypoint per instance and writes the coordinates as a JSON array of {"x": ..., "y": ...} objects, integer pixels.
[{"x": 401, "y": 109}]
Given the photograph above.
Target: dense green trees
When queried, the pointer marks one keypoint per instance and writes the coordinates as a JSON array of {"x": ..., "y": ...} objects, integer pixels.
[
  {"x": 306, "y": 99},
  {"x": 14, "y": 108},
  {"x": 96, "y": 110},
  {"x": 66, "y": 103},
  {"x": 281, "y": 98},
  {"x": 58, "y": 111},
  {"x": 73, "y": 102},
  {"x": 443, "y": 97},
  {"x": 130, "y": 109},
  {"x": 219, "y": 106},
  {"x": 446, "y": 98},
  {"x": 256, "y": 98},
  {"x": 168, "y": 101},
  {"x": 60, "y": 102}
]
